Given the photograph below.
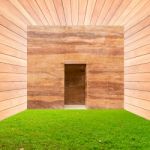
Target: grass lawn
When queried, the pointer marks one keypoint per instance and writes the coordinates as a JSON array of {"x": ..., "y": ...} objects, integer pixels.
[{"x": 75, "y": 130}]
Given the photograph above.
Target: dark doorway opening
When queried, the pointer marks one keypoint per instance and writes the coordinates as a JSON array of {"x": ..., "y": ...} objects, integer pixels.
[{"x": 75, "y": 84}]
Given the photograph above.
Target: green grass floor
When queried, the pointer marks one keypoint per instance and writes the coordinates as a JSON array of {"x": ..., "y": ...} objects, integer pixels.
[{"x": 75, "y": 130}]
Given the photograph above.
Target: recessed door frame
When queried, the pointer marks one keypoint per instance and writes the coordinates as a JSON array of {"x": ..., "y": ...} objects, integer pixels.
[{"x": 77, "y": 63}]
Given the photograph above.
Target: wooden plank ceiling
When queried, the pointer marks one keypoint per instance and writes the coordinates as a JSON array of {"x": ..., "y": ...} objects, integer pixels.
[
  {"x": 74, "y": 12},
  {"x": 134, "y": 15}
]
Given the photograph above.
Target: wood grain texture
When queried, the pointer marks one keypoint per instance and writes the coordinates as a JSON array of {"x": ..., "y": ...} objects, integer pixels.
[
  {"x": 137, "y": 64},
  {"x": 49, "y": 48},
  {"x": 13, "y": 58}
]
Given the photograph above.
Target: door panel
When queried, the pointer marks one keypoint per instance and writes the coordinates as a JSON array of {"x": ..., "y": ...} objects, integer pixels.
[{"x": 75, "y": 76}]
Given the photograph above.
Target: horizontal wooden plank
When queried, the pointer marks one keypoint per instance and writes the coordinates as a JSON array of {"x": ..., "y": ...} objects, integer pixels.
[
  {"x": 13, "y": 77},
  {"x": 13, "y": 26},
  {"x": 137, "y": 94},
  {"x": 139, "y": 43},
  {"x": 7, "y": 104},
  {"x": 12, "y": 35},
  {"x": 8, "y": 86},
  {"x": 14, "y": 44},
  {"x": 137, "y": 52},
  {"x": 19, "y": 23},
  {"x": 138, "y": 35},
  {"x": 143, "y": 86},
  {"x": 137, "y": 77},
  {"x": 137, "y": 102},
  {"x": 137, "y": 60},
  {"x": 137, "y": 27},
  {"x": 12, "y": 111},
  {"x": 4, "y": 49},
  {"x": 136, "y": 110},
  {"x": 12, "y": 94},
  {"x": 12, "y": 60},
  {"x": 137, "y": 68},
  {"x": 6, "y": 68}
]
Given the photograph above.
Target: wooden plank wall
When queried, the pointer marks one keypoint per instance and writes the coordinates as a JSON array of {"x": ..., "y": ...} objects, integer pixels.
[
  {"x": 100, "y": 48},
  {"x": 137, "y": 67},
  {"x": 13, "y": 65}
]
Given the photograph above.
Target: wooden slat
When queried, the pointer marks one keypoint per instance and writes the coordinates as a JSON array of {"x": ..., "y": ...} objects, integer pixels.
[
  {"x": 7, "y": 5},
  {"x": 139, "y": 111},
  {"x": 138, "y": 52},
  {"x": 75, "y": 11},
  {"x": 97, "y": 10},
  {"x": 12, "y": 111},
  {"x": 7, "y": 33},
  {"x": 12, "y": 43},
  {"x": 82, "y": 11},
  {"x": 126, "y": 12},
  {"x": 119, "y": 11},
  {"x": 140, "y": 16},
  {"x": 23, "y": 11},
  {"x": 141, "y": 86},
  {"x": 6, "y": 95},
  {"x": 145, "y": 95},
  {"x": 104, "y": 11},
  {"x": 139, "y": 43},
  {"x": 8, "y": 86},
  {"x": 137, "y": 27},
  {"x": 38, "y": 11},
  {"x": 28, "y": 7},
  {"x": 137, "y": 77},
  {"x": 89, "y": 11},
  {"x": 138, "y": 102},
  {"x": 52, "y": 10},
  {"x": 7, "y": 104},
  {"x": 138, "y": 35},
  {"x": 12, "y": 26},
  {"x": 67, "y": 10},
  {"x": 46, "y": 12},
  {"x": 60, "y": 11},
  {"x": 4, "y": 49},
  {"x": 13, "y": 77},
  {"x": 12, "y": 60},
  {"x": 137, "y": 68},
  {"x": 5, "y": 68},
  {"x": 113, "y": 9},
  {"x": 135, "y": 10},
  {"x": 138, "y": 60}
]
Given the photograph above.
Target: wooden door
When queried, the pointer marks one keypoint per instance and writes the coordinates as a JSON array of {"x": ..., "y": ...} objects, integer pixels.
[{"x": 75, "y": 83}]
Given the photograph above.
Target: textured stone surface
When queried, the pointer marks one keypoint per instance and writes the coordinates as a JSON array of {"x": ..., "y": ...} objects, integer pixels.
[{"x": 100, "y": 48}]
